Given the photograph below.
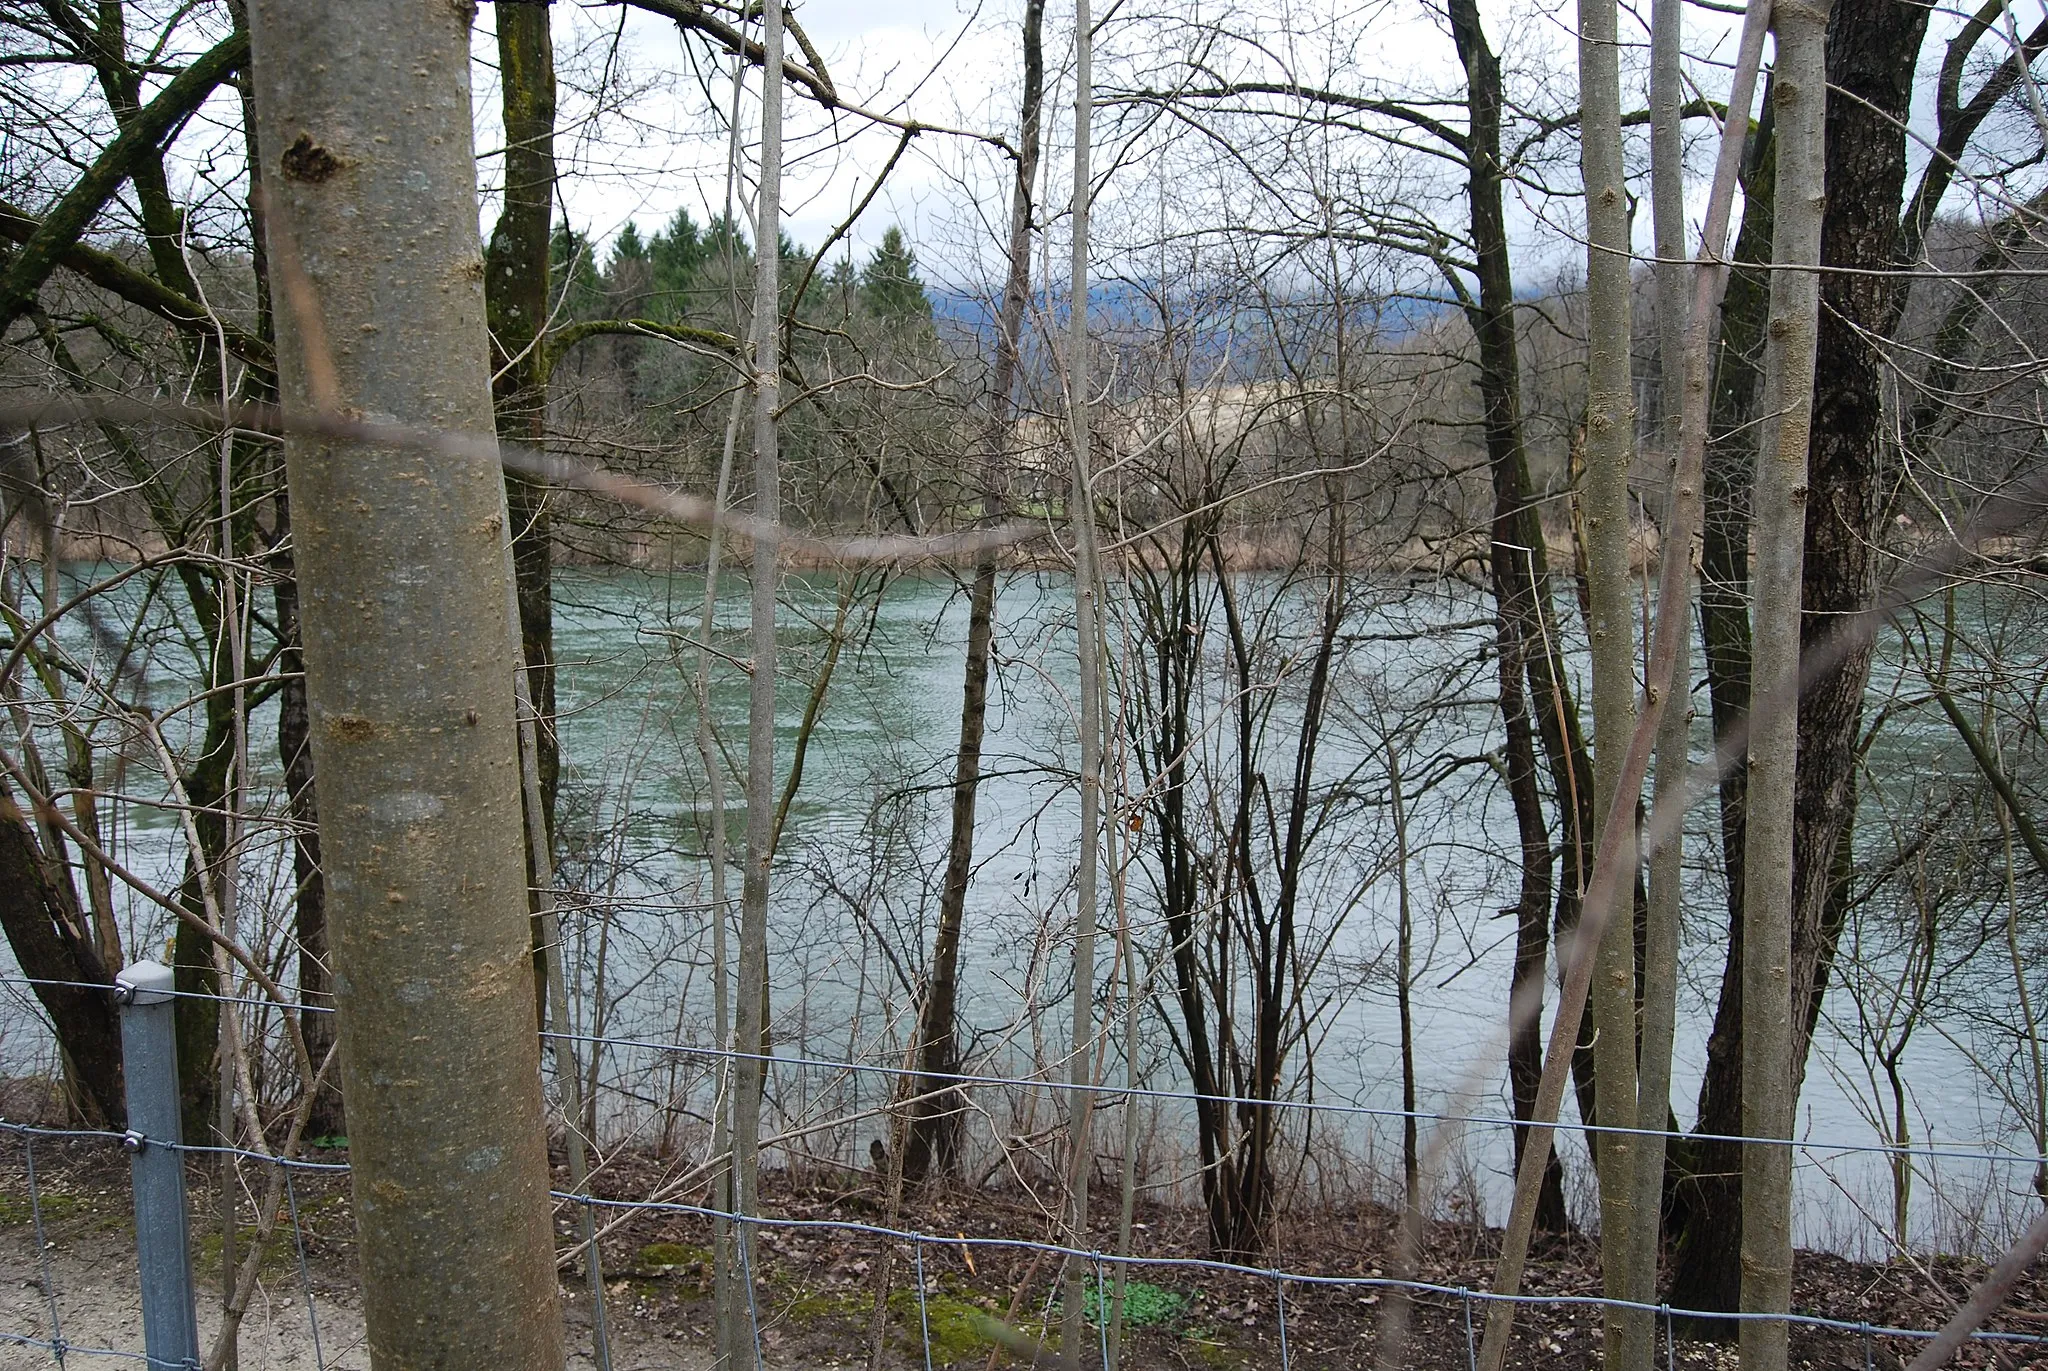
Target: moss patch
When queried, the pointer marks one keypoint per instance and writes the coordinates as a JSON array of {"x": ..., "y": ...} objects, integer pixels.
[
  {"x": 962, "y": 1328},
  {"x": 278, "y": 1254},
  {"x": 828, "y": 1304},
  {"x": 674, "y": 1254},
  {"x": 687, "y": 1269},
  {"x": 16, "y": 1210},
  {"x": 1211, "y": 1352}
]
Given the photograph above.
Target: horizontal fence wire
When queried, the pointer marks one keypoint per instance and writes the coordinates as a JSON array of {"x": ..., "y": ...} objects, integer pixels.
[
  {"x": 59, "y": 1350},
  {"x": 931, "y": 1084},
  {"x": 125, "y": 1140},
  {"x": 1096, "y": 1258},
  {"x": 940, "y": 1082},
  {"x": 1217, "y": 1266}
]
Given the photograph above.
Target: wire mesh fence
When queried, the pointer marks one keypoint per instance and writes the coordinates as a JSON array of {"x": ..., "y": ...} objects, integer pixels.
[{"x": 138, "y": 1302}]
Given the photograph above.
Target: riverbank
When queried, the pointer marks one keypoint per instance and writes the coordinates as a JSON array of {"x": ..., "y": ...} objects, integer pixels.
[
  {"x": 984, "y": 1304},
  {"x": 632, "y": 546}
]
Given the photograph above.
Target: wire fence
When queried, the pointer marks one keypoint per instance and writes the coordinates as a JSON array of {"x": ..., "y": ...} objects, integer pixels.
[
  {"x": 939, "y": 1082},
  {"x": 40, "y": 1324},
  {"x": 51, "y": 1338}
]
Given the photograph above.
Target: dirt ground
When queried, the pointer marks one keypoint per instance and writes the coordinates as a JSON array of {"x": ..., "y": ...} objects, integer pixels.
[{"x": 983, "y": 1307}]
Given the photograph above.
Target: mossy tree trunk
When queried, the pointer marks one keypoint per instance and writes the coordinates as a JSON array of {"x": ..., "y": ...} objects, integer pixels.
[{"x": 516, "y": 301}]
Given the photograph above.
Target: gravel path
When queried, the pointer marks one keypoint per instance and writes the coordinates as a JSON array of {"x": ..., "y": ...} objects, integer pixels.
[{"x": 90, "y": 1266}]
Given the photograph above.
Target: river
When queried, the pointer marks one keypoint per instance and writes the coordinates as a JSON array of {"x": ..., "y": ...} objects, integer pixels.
[{"x": 856, "y": 884}]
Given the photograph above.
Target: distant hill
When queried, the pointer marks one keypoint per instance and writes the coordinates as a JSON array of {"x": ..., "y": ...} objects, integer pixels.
[{"x": 1215, "y": 317}]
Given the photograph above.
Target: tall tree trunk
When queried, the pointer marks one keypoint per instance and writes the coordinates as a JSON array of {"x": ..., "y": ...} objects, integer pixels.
[
  {"x": 933, "y": 1139},
  {"x": 327, "y": 1118},
  {"x": 1610, "y": 448},
  {"x": 1664, "y": 912},
  {"x": 516, "y": 299},
  {"x": 1706, "y": 1197},
  {"x": 1610, "y": 872},
  {"x": 751, "y": 1018},
  {"x": 373, "y": 225},
  {"x": 724, "y": 1262},
  {"x": 1872, "y": 51},
  {"x": 1517, "y": 560},
  {"x": 1087, "y": 608},
  {"x": 1768, "y": 896}
]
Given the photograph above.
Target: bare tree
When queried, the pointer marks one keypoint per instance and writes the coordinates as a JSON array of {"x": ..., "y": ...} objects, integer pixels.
[
  {"x": 1663, "y": 911},
  {"x": 1800, "y": 100},
  {"x": 750, "y": 1070},
  {"x": 1088, "y": 648},
  {"x": 933, "y": 1137},
  {"x": 1610, "y": 449}
]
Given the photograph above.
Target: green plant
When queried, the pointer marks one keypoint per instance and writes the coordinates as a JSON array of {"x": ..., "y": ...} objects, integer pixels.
[{"x": 1145, "y": 1305}]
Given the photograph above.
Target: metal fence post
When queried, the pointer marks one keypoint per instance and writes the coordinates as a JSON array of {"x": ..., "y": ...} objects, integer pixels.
[{"x": 149, "y": 1059}]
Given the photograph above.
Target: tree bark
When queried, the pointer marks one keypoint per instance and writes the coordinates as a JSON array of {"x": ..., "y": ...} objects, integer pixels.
[
  {"x": 1706, "y": 1194},
  {"x": 765, "y": 579},
  {"x": 933, "y": 1139},
  {"x": 47, "y": 931},
  {"x": 1871, "y": 52},
  {"x": 1610, "y": 448},
  {"x": 1087, "y": 607},
  {"x": 327, "y": 1117},
  {"x": 365, "y": 110},
  {"x": 1532, "y": 911},
  {"x": 516, "y": 301},
  {"x": 1608, "y": 877},
  {"x": 1665, "y": 909},
  {"x": 1769, "y": 1080},
  {"x": 1517, "y": 559},
  {"x": 724, "y": 1263}
]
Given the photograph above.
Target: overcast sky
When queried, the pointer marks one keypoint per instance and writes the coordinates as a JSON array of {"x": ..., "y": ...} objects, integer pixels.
[
  {"x": 654, "y": 145},
  {"x": 658, "y": 146}
]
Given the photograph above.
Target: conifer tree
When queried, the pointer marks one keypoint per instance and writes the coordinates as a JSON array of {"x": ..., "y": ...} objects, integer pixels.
[
  {"x": 572, "y": 265},
  {"x": 628, "y": 274},
  {"x": 674, "y": 257},
  {"x": 889, "y": 285}
]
